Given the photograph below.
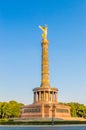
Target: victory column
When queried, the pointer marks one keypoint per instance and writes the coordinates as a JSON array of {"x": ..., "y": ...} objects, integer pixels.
[{"x": 45, "y": 104}]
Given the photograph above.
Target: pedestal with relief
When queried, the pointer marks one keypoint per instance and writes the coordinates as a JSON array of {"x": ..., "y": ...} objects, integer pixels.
[{"x": 45, "y": 104}]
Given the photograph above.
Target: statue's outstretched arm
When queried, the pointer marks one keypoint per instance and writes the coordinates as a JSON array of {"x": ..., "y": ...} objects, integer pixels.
[{"x": 41, "y": 28}]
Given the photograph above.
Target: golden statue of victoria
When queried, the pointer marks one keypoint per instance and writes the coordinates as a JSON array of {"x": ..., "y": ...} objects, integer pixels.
[{"x": 44, "y": 29}]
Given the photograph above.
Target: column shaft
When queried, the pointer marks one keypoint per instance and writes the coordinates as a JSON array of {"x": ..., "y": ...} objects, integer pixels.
[
  {"x": 39, "y": 95},
  {"x": 45, "y": 65},
  {"x": 36, "y": 97},
  {"x": 48, "y": 95},
  {"x": 56, "y": 97},
  {"x": 53, "y": 96}
]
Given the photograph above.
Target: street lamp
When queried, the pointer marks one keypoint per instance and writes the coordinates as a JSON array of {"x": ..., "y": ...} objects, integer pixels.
[{"x": 53, "y": 110}]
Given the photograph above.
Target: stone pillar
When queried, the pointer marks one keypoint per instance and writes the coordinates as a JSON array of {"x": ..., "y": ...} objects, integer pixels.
[
  {"x": 53, "y": 96},
  {"x": 48, "y": 95},
  {"x": 56, "y": 97},
  {"x": 39, "y": 95},
  {"x": 44, "y": 95},
  {"x": 36, "y": 97},
  {"x": 45, "y": 65}
]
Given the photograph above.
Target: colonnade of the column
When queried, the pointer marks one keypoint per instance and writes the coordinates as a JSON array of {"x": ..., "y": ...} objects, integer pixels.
[{"x": 50, "y": 96}]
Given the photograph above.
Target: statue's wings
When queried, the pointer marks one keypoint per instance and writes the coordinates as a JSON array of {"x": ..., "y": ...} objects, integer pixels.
[{"x": 44, "y": 29}]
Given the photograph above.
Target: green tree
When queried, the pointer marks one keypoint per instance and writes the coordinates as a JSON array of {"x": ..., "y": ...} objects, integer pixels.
[
  {"x": 6, "y": 110},
  {"x": 10, "y": 109},
  {"x": 0, "y": 109},
  {"x": 15, "y": 108},
  {"x": 76, "y": 109}
]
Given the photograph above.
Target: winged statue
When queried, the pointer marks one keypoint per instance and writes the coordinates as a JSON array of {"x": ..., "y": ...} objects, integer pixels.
[{"x": 44, "y": 29}]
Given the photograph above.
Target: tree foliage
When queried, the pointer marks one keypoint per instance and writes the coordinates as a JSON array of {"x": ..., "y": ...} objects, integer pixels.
[
  {"x": 10, "y": 109},
  {"x": 76, "y": 109}
]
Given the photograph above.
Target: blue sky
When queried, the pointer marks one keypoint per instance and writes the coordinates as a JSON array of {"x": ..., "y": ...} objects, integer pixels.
[{"x": 20, "y": 48}]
